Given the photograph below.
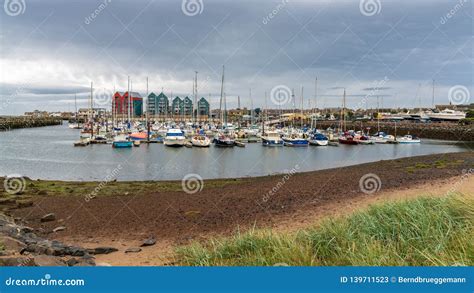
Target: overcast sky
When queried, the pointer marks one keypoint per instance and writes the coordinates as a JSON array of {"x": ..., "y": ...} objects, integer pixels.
[{"x": 52, "y": 49}]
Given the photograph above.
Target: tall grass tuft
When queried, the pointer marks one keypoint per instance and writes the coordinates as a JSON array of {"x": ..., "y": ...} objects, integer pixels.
[{"x": 421, "y": 232}]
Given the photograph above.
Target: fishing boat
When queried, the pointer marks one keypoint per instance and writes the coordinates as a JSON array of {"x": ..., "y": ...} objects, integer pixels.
[
  {"x": 224, "y": 140},
  {"x": 318, "y": 139},
  {"x": 363, "y": 139},
  {"x": 200, "y": 141},
  {"x": 272, "y": 138},
  {"x": 294, "y": 140},
  {"x": 379, "y": 137},
  {"x": 121, "y": 141},
  {"x": 82, "y": 142},
  {"x": 175, "y": 138},
  {"x": 408, "y": 139},
  {"x": 347, "y": 139}
]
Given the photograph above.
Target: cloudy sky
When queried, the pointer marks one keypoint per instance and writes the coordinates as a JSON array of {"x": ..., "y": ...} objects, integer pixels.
[{"x": 52, "y": 50}]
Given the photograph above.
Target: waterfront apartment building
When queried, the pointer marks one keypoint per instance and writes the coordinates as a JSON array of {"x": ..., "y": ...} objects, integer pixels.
[
  {"x": 121, "y": 104},
  {"x": 158, "y": 104}
]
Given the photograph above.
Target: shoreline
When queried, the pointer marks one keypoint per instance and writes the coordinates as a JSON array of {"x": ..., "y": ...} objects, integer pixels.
[{"x": 127, "y": 213}]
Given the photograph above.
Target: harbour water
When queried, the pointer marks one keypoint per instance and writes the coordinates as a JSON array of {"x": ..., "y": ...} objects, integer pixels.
[{"x": 48, "y": 153}]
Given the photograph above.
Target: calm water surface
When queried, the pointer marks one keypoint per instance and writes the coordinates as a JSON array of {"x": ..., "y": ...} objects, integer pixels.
[{"x": 48, "y": 153}]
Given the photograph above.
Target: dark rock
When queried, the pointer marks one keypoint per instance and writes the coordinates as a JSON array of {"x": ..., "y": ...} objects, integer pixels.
[
  {"x": 26, "y": 229},
  {"x": 42, "y": 192},
  {"x": 71, "y": 262},
  {"x": 48, "y": 217},
  {"x": 133, "y": 250},
  {"x": 102, "y": 250},
  {"x": 149, "y": 241}
]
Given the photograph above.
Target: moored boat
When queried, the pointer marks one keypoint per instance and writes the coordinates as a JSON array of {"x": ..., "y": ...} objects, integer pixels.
[
  {"x": 408, "y": 139},
  {"x": 271, "y": 138},
  {"x": 200, "y": 141},
  {"x": 318, "y": 139},
  {"x": 175, "y": 138},
  {"x": 121, "y": 141}
]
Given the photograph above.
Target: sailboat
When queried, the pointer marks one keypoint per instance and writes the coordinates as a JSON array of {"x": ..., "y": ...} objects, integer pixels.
[
  {"x": 293, "y": 138},
  {"x": 75, "y": 125},
  {"x": 224, "y": 139},
  {"x": 269, "y": 138},
  {"x": 347, "y": 137}
]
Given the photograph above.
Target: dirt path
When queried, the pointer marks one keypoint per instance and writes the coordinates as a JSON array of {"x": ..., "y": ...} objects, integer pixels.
[{"x": 297, "y": 201}]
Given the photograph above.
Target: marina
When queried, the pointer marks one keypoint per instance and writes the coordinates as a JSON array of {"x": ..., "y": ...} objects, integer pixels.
[{"x": 49, "y": 153}]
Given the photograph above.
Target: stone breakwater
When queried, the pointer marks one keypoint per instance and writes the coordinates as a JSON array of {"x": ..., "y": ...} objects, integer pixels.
[
  {"x": 9, "y": 123},
  {"x": 444, "y": 131}
]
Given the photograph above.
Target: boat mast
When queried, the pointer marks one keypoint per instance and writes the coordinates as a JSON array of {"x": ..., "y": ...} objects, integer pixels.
[
  {"x": 251, "y": 107},
  {"x": 433, "y": 95},
  {"x": 92, "y": 111},
  {"x": 222, "y": 96},
  {"x": 195, "y": 115},
  {"x": 378, "y": 115},
  {"x": 75, "y": 108},
  {"x": 128, "y": 102},
  {"x": 265, "y": 115},
  {"x": 344, "y": 111},
  {"x": 302, "y": 99}
]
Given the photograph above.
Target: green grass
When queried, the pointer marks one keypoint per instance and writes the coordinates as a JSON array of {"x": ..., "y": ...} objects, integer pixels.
[
  {"x": 70, "y": 188},
  {"x": 421, "y": 232}
]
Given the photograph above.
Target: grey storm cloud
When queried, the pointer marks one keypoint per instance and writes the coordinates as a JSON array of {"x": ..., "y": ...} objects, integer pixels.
[{"x": 82, "y": 41}]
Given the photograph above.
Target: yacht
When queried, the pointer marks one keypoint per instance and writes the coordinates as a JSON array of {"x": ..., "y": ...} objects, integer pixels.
[
  {"x": 271, "y": 138},
  {"x": 174, "y": 138},
  {"x": 447, "y": 115}
]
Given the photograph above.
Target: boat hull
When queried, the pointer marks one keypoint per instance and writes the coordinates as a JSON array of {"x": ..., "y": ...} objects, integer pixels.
[
  {"x": 295, "y": 142},
  {"x": 224, "y": 143},
  {"x": 174, "y": 142},
  {"x": 122, "y": 144},
  {"x": 317, "y": 142},
  {"x": 272, "y": 142}
]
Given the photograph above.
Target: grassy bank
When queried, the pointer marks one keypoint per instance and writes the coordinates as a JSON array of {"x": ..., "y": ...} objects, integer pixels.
[{"x": 421, "y": 232}]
